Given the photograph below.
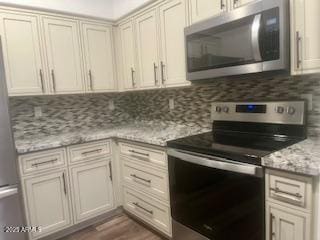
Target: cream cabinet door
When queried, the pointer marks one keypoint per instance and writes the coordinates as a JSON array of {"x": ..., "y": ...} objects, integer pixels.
[
  {"x": 92, "y": 190},
  {"x": 286, "y": 224},
  {"x": 202, "y": 9},
  {"x": 173, "y": 20},
  {"x": 240, "y": 3},
  {"x": 147, "y": 46},
  {"x": 129, "y": 76},
  {"x": 47, "y": 202},
  {"x": 305, "y": 36},
  {"x": 22, "y": 53},
  {"x": 63, "y": 50},
  {"x": 99, "y": 57}
]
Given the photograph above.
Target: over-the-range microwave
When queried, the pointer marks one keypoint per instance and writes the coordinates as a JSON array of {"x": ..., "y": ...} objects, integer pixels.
[{"x": 251, "y": 39}]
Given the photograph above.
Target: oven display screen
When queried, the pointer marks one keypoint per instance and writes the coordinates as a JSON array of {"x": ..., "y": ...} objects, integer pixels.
[{"x": 251, "y": 108}]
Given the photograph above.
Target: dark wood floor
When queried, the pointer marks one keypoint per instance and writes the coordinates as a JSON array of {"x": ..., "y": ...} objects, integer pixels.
[{"x": 119, "y": 228}]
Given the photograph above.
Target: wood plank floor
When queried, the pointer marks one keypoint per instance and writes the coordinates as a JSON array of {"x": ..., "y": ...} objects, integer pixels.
[{"x": 120, "y": 227}]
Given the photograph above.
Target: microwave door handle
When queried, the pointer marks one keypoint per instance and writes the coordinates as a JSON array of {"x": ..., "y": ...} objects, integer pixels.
[{"x": 255, "y": 29}]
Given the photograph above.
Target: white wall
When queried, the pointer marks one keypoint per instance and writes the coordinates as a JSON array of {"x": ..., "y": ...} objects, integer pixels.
[{"x": 97, "y": 8}]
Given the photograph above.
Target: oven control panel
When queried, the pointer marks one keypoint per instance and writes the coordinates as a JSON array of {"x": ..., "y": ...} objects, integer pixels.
[{"x": 285, "y": 112}]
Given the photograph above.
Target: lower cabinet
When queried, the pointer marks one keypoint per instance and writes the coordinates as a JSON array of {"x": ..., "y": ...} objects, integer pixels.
[
  {"x": 92, "y": 190},
  {"x": 47, "y": 199}
]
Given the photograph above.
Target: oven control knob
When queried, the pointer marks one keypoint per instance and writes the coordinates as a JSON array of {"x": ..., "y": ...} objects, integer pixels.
[
  {"x": 225, "y": 109},
  {"x": 280, "y": 109},
  {"x": 218, "y": 109},
  {"x": 291, "y": 110}
]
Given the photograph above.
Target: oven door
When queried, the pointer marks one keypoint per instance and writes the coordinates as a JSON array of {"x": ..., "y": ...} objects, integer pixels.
[{"x": 215, "y": 198}]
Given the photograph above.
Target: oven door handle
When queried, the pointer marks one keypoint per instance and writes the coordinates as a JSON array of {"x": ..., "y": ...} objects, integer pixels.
[
  {"x": 218, "y": 163},
  {"x": 255, "y": 29}
]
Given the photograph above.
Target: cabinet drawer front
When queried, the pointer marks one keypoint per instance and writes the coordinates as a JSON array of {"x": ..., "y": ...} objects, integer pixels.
[
  {"x": 89, "y": 151},
  {"x": 147, "y": 179},
  {"x": 149, "y": 210},
  {"x": 295, "y": 191},
  {"x": 143, "y": 154},
  {"x": 40, "y": 161}
]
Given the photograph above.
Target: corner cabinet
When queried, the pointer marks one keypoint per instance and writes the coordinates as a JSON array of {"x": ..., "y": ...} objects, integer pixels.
[
  {"x": 21, "y": 47},
  {"x": 305, "y": 36},
  {"x": 99, "y": 57}
]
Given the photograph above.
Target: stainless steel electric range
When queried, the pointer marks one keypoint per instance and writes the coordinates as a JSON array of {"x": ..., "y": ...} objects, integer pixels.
[{"x": 216, "y": 178}]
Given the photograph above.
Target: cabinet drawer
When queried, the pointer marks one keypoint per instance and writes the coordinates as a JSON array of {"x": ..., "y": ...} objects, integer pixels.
[
  {"x": 148, "y": 209},
  {"x": 147, "y": 179},
  {"x": 89, "y": 151},
  {"x": 40, "y": 161},
  {"x": 143, "y": 154},
  {"x": 293, "y": 189}
]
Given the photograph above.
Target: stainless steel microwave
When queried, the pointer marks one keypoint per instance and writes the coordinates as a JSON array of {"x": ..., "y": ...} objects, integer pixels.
[{"x": 251, "y": 39}]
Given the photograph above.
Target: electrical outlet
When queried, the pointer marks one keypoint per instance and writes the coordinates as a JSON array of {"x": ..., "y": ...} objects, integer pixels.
[
  {"x": 309, "y": 98},
  {"x": 171, "y": 103},
  {"x": 111, "y": 105},
  {"x": 37, "y": 112}
]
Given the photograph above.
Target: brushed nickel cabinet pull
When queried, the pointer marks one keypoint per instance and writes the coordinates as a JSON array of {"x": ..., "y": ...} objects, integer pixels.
[
  {"x": 64, "y": 183},
  {"x": 45, "y": 162},
  {"x": 90, "y": 79},
  {"x": 298, "y": 42},
  {"x": 142, "y": 208},
  {"x": 132, "y": 77},
  {"x": 139, "y": 153},
  {"x": 140, "y": 178},
  {"x": 110, "y": 169},
  {"x": 235, "y": 2},
  {"x": 53, "y": 80},
  {"x": 41, "y": 79},
  {"x": 93, "y": 151},
  {"x": 162, "y": 72},
  {"x": 222, "y": 5},
  {"x": 277, "y": 190},
  {"x": 271, "y": 232},
  {"x": 155, "y": 73}
]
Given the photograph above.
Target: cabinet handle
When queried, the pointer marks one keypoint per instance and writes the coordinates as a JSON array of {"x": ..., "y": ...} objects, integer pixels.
[
  {"x": 140, "y": 178},
  {"x": 271, "y": 233},
  {"x": 277, "y": 190},
  {"x": 298, "y": 41},
  {"x": 132, "y": 77},
  {"x": 64, "y": 183},
  {"x": 142, "y": 208},
  {"x": 93, "y": 151},
  {"x": 46, "y": 162},
  {"x": 222, "y": 5},
  {"x": 162, "y": 72},
  {"x": 235, "y": 2},
  {"x": 53, "y": 80},
  {"x": 155, "y": 73},
  {"x": 90, "y": 79},
  {"x": 41, "y": 79},
  {"x": 110, "y": 171},
  {"x": 140, "y": 153}
]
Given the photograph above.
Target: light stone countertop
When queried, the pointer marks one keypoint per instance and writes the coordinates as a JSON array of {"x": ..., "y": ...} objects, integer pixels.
[{"x": 302, "y": 158}]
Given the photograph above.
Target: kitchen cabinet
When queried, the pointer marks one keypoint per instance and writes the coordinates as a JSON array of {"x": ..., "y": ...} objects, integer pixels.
[
  {"x": 305, "y": 36},
  {"x": 129, "y": 76},
  {"x": 92, "y": 189},
  {"x": 147, "y": 47},
  {"x": 99, "y": 57},
  {"x": 63, "y": 51},
  {"x": 285, "y": 224},
  {"x": 20, "y": 36},
  {"x": 47, "y": 202},
  {"x": 240, "y": 3},
  {"x": 173, "y": 20},
  {"x": 203, "y": 9}
]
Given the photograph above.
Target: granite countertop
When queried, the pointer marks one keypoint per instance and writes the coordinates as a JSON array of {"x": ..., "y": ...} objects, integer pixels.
[
  {"x": 303, "y": 157},
  {"x": 156, "y": 133}
]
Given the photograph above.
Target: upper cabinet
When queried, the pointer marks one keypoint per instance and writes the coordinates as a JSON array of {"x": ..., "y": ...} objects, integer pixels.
[
  {"x": 173, "y": 20},
  {"x": 202, "y": 9},
  {"x": 20, "y": 36},
  {"x": 99, "y": 57},
  {"x": 240, "y": 3},
  {"x": 147, "y": 47},
  {"x": 305, "y": 36},
  {"x": 129, "y": 66},
  {"x": 63, "y": 55}
]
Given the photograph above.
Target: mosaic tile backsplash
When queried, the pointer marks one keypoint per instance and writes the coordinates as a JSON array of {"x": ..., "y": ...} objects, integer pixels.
[{"x": 192, "y": 104}]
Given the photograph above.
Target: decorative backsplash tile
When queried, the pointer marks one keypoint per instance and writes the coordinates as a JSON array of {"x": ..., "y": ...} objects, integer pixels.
[{"x": 192, "y": 104}]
